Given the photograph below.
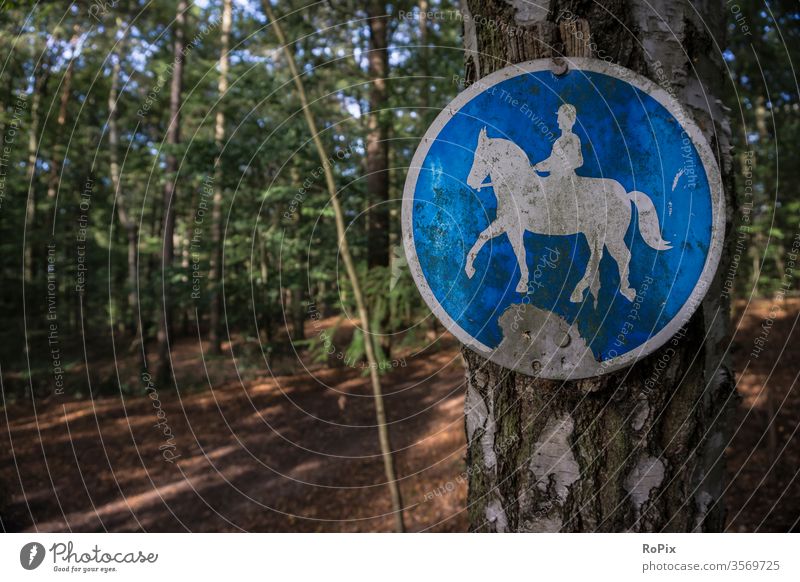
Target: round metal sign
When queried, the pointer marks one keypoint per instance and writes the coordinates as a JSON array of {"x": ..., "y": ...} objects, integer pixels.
[{"x": 563, "y": 225}]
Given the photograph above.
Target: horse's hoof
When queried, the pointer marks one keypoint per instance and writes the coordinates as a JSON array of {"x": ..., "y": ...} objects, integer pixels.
[
  {"x": 470, "y": 271},
  {"x": 629, "y": 294},
  {"x": 522, "y": 287},
  {"x": 577, "y": 296}
]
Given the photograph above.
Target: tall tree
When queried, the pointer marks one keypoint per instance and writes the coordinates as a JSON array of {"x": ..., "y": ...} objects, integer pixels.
[
  {"x": 607, "y": 453},
  {"x": 377, "y": 137},
  {"x": 41, "y": 73},
  {"x": 215, "y": 273},
  {"x": 123, "y": 200},
  {"x": 171, "y": 170},
  {"x": 425, "y": 55},
  {"x": 59, "y": 149}
]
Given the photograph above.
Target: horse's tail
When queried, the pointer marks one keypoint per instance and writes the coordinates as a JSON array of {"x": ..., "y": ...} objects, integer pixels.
[{"x": 648, "y": 221}]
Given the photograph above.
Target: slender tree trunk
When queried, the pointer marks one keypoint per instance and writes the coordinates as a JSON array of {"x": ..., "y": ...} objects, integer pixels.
[
  {"x": 182, "y": 244},
  {"x": 265, "y": 309},
  {"x": 424, "y": 52},
  {"x": 607, "y": 454},
  {"x": 171, "y": 170},
  {"x": 215, "y": 275},
  {"x": 352, "y": 274},
  {"x": 122, "y": 199},
  {"x": 377, "y": 161},
  {"x": 39, "y": 83},
  {"x": 377, "y": 138},
  {"x": 57, "y": 157},
  {"x": 758, "y": 251},
  {"x": 296, "y": 308}
]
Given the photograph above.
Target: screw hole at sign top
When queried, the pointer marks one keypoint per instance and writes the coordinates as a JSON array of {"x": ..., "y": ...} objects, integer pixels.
[{"x": 559, "y": 66}]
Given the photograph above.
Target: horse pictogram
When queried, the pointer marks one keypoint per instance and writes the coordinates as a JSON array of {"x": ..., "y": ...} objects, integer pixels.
[{"x": 562, "y": 203}]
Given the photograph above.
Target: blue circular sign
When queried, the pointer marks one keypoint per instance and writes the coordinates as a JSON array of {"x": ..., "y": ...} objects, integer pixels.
[{"x": 563, "y": 225}]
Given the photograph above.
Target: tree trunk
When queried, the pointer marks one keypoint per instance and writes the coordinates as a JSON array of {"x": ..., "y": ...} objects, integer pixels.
[
  {"x": 296, "y": 306},
  {"x": 55, "y": 161},
  {"x": 265, "y": 309},
  {"x": 298, "y": 310},
  {"x": 40, "y": 81},
  {"x": 122, "y": 200},
  {"x": 215, "y": 275},
  {"x": 377, "y": 138},
  {"x": 424, "y": 52},
  {"x": 168, "y": 218},
  {"x": 607, "y": 453}
]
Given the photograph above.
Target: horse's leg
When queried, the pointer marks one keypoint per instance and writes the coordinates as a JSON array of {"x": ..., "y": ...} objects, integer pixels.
[
  {"x": 594, "y": 285},
  {"x": 619, "y": 250},
  {"x": 591, "y": 276},
  {"x": 491, "y": 231},
  {"x": 517, "y": 238}
]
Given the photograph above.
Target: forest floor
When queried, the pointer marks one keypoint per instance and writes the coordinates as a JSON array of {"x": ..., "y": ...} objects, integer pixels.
[{"x": 298, "y": 451}]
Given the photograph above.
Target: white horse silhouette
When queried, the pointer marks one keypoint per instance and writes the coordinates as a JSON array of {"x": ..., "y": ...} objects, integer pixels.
[{"x": 597, "y": 207}]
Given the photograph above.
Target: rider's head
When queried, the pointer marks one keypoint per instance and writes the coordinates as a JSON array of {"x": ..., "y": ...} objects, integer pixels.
[{"x": 566, "y": 116}]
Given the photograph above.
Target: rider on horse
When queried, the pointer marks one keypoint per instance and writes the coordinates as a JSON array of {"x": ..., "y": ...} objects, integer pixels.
[{"x": 566, "y": 156}]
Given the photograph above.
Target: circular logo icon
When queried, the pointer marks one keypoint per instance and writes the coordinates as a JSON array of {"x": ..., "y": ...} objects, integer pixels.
[
  {"x": 31, "y": 555},
  {"x": 563, "y": 225}
]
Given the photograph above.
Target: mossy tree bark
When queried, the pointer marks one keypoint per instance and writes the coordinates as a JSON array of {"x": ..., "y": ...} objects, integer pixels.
[{"x": 640, "y": 449}]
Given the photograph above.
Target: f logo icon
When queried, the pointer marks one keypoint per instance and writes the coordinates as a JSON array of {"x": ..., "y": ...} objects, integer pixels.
[{"x": 31, "y": 555}]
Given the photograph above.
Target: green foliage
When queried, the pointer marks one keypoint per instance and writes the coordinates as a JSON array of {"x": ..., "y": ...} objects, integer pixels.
[
  {"x": 763, "y": 44},
  {"x": 280, "y": 244}
]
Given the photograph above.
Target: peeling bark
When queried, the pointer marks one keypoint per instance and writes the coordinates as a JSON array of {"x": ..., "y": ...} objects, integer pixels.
[
  {"x": 644, "y": 480},
  {"x": 553, "y": 463},
  {"x": 639, "y": 449}
]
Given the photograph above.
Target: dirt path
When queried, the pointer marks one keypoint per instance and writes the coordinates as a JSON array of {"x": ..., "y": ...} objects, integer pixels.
[
  {"x": 295, "y": 453},
  {"x": 764, "y": 456},
  {"x": 299, "y": 453}
]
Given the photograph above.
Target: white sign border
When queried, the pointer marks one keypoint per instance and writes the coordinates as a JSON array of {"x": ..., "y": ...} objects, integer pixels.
[{"x": 576, "y": 65}]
